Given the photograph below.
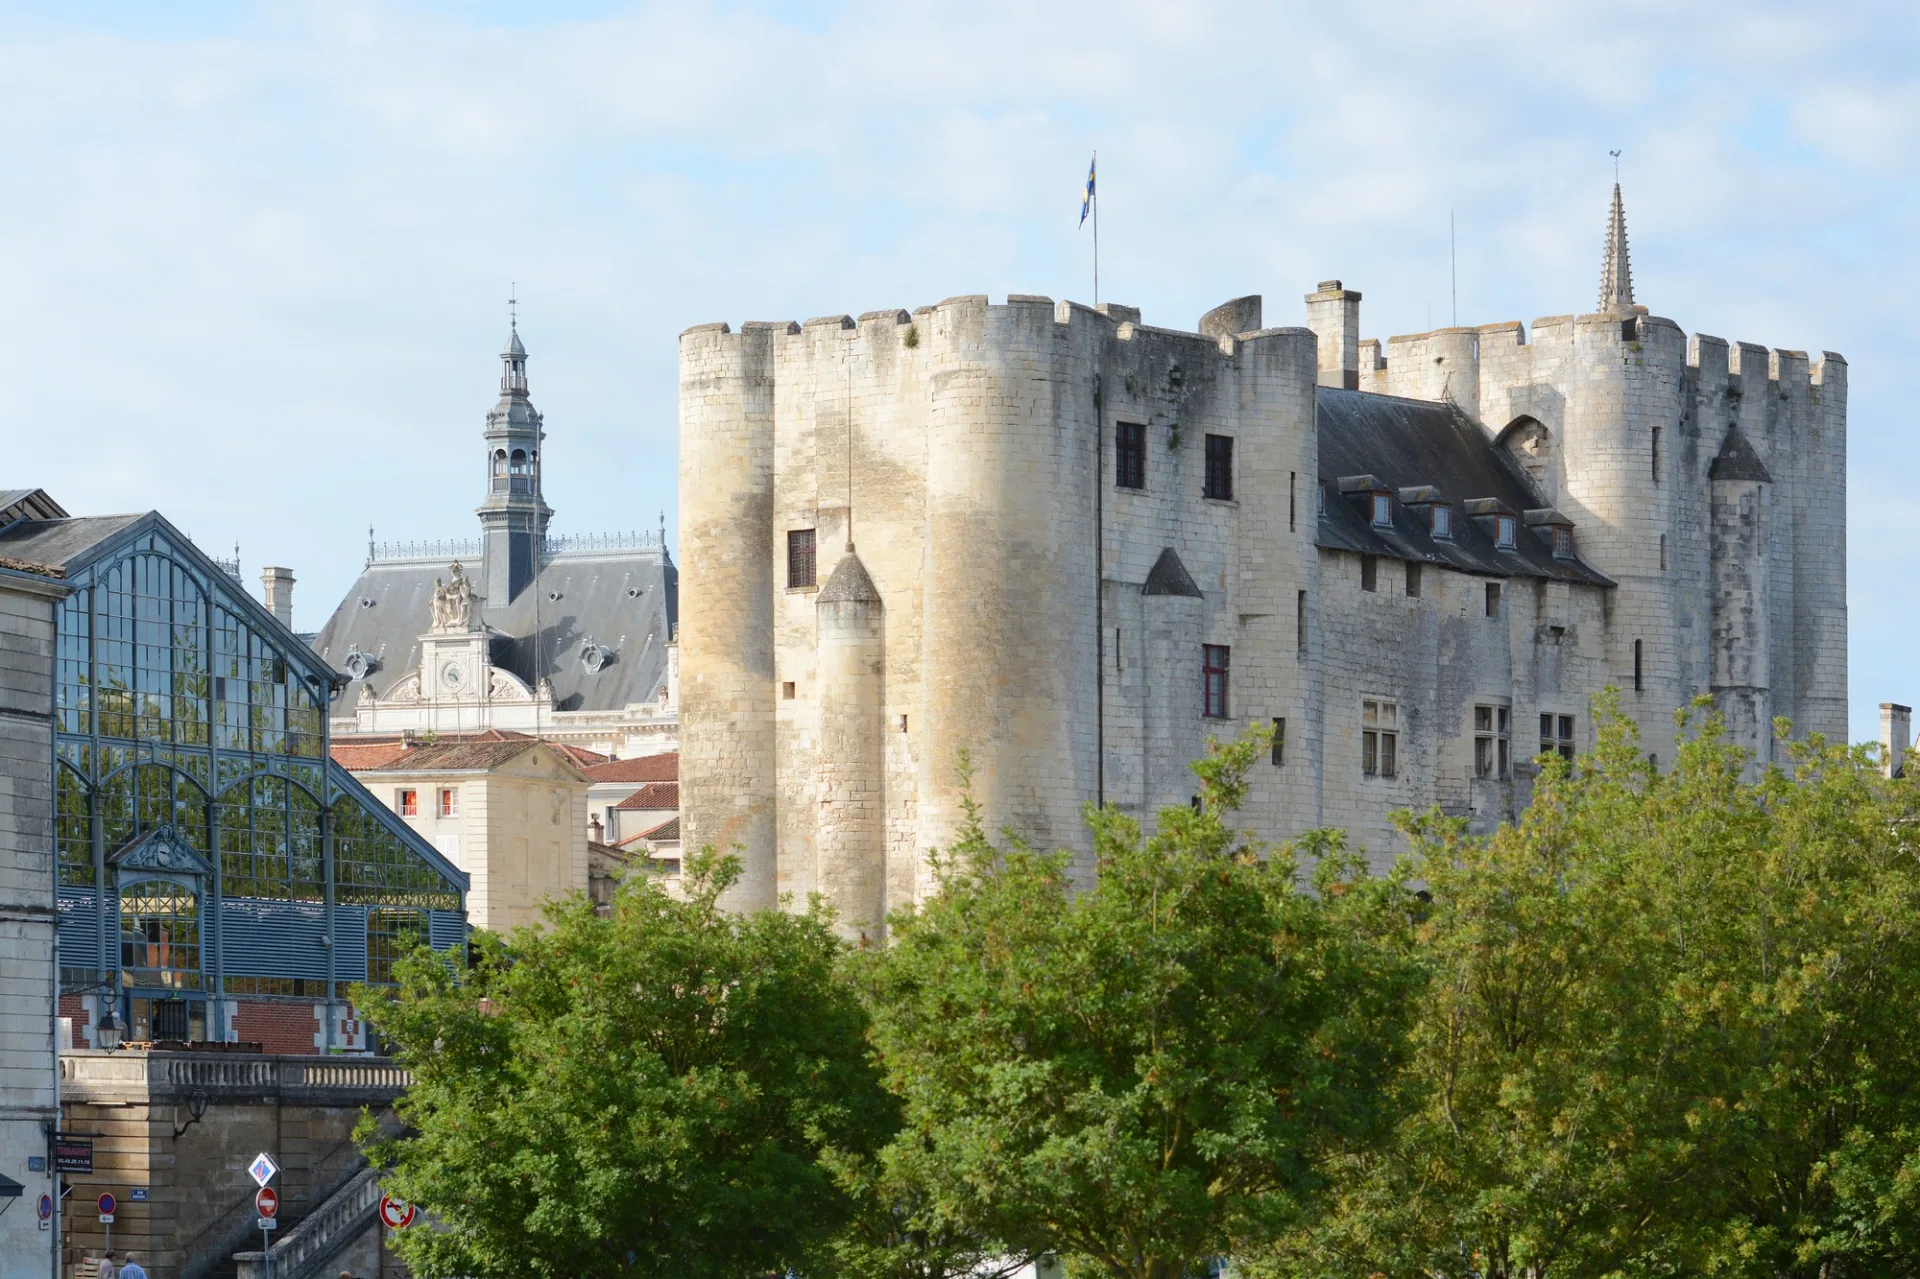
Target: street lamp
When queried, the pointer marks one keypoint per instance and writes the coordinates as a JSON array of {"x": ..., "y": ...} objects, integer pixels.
[{"x": 107, "y": 1033}]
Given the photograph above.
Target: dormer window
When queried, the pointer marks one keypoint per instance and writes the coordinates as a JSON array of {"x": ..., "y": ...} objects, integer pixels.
[
  {"x": 1503, "y": 532},
  {"x": 1442, "y": 521},
  {"x": 1562, "y": 542},
  {"x": 1382, "y": 510}
]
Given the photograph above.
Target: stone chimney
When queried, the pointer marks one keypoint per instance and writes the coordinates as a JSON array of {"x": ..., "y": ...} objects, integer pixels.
[
  {"x": 276, "y": 591},
  {"x": 1333, "y": 313},
  {"x": 1896, "y": 724}
]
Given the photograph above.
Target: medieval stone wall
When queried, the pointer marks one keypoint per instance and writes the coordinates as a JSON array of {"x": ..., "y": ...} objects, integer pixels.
[{"x": 961, "y": 456}]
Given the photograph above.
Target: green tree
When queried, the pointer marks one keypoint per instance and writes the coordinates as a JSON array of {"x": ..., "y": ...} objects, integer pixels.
[
  {"x": 645, "y": 1093},
  {"x": 1140, "y": 1074},
  {"x": 1673, "y": 1027}
]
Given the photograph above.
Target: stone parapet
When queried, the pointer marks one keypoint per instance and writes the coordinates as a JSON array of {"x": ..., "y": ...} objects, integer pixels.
[{"x": 95, "y": 1077}]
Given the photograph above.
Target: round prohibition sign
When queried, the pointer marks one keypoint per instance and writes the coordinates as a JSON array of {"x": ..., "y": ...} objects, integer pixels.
[
  {"x": 267, "y": 1202},
  {"x": 398, "y": 1214},
  {"x": 107, "y": 1204}
]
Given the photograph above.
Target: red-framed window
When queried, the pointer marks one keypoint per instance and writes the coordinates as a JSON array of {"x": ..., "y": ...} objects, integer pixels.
[
  {"x": 1213, "y": 673},
  {"x": 408, "y": 803}
]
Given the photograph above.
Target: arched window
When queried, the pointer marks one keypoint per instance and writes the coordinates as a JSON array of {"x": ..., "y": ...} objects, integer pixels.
[
  {"x": 136, "y": 800},
  {"x": 150, "y": 666},
  {"x": 521, "y": 472},
  {"x": 160, "y": 934},
  {"x": 270, "y": 842}
]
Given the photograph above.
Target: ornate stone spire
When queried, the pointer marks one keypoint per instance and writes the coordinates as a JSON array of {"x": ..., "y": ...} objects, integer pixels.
[
  {"x": 514, "y": 514},
  {"x": 1616, "y": 272}
]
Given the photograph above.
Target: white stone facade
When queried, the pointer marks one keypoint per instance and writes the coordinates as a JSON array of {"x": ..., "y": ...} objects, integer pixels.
[
  {"x": 973, "y": 448},
  {"x": 28, "y": 915}
]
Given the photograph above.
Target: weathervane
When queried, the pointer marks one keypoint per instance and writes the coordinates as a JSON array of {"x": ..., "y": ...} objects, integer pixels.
[
  {"x": 513, "y": 302},
  {"x": 1616, "y": 164}
]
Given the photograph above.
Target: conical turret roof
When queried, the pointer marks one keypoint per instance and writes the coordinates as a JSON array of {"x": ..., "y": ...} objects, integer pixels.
[{"x": 849, "y": 583}]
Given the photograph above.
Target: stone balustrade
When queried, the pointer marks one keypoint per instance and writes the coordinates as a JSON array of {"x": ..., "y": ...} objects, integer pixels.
[{"x": 94, "y": 1076}]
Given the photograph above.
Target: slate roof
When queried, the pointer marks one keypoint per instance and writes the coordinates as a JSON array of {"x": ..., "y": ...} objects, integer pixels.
[
  {"x": 1738, "y": 461},
  {"x": 1170, "y": 577},
  {"x": 625, "y": 600},
  {"x": 1408, "y": 444},
  {"x": 643, "y": 768},
  {"x": 654, "y": 795}
]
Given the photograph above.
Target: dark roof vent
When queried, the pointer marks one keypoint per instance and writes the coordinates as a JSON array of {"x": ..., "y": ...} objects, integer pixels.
[
  {"x": 359, "y": 665},
  {"x": 1170, "y": 577},
  {"x": 594, "y": 657}
]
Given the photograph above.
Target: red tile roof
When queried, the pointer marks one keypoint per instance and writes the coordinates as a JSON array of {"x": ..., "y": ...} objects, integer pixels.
[
  {"x": 666, "y": 832},
  {"x": 446, "y": 752},
  {"x": 646, "y": 768},
  {"x": 355, "y": 756},
  {"x": 654, "y": 795}
]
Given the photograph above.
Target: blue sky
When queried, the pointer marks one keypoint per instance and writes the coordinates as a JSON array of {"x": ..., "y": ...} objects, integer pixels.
[{"x": 254, "y": 258}]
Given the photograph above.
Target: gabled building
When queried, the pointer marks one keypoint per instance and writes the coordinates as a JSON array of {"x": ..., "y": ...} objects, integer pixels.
[
  {"x": 217, "y": 876},
  {"x": 509, "y": 810},
  {"x": 567, "y": 638}
]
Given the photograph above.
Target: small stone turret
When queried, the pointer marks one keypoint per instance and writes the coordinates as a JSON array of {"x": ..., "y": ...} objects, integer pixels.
[
  {"x": 1741, "y": 658},
  {"x": 850, "y": 842}
]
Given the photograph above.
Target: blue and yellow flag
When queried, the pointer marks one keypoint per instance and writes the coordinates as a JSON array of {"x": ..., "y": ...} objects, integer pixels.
[{"x": 1087, "y": 203}]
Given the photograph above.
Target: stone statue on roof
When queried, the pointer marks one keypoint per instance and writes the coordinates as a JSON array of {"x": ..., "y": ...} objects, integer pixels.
[{"x": 453, "y": 601}]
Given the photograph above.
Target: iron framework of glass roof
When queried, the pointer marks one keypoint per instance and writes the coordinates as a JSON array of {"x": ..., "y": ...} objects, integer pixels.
[{"x": 206, "y": 845}]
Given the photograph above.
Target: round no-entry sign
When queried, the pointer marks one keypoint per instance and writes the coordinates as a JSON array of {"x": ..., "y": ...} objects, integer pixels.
[
  {"x": 267, "y": 1202},
  {"x": 107, "y": 1204},
  {"x": 397, "y": 1213}
]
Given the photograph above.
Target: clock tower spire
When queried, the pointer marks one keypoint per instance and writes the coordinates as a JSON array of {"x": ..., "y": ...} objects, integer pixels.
[{"x": 513, "y": 518}]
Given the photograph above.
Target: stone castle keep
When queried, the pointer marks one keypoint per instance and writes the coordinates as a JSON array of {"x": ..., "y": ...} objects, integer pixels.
[{"x": 1076, "y": 545}]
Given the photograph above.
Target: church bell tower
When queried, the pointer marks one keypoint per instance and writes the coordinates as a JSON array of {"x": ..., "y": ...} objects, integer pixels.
[{"x": 513, "y": 518}]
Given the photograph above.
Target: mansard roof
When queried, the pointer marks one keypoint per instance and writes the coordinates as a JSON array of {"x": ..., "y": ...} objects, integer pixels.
[
  {"x": 625, "y": 599},
  {"x": 1405, "y": 444}
]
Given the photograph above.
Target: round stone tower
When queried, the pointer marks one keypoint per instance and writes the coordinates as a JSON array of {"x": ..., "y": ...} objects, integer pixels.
[
  {"x": 726, "y": 626},
  {"x": 850, "y": 842}
]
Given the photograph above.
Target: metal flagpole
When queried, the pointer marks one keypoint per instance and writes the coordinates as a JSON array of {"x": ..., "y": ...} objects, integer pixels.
[{"x": 1093, "y": 195}]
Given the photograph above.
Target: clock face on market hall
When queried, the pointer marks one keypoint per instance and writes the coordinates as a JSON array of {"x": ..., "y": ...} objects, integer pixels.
[{"x": 451, "y": 675}]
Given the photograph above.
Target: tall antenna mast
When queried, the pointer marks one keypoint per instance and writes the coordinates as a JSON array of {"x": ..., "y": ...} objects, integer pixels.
[{"x": 850, "y": 445}]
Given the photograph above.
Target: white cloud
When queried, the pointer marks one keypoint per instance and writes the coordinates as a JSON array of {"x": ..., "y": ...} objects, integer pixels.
[{"x": 255, "y": 275}]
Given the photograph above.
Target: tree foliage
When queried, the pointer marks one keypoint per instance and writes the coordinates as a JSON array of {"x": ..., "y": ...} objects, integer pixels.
[
  {"x": 1142, "y": 1074},
  {"x": 646, "y": 1093},
  {"x": 1673, "y": 1027}
]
